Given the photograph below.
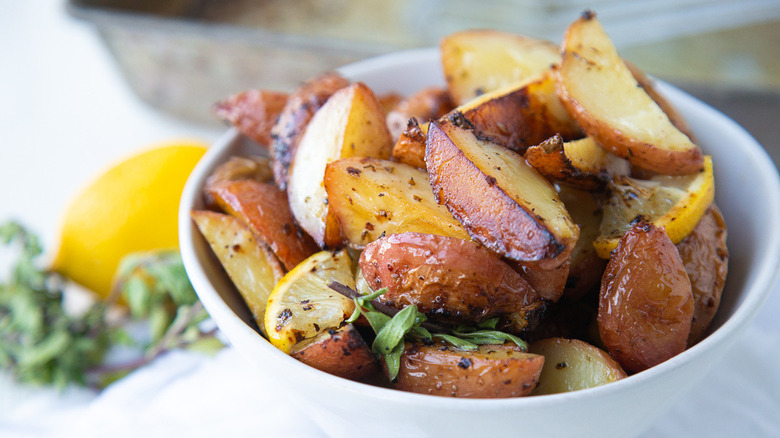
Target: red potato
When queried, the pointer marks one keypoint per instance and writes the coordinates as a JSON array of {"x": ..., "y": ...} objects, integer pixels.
[
  {"x": 571, "y": 365},
  {"x": 449, "y": 279},
  {"x": 235, "y": 169},
  {"x": 341, "y": 352},
  {"x": 264, "y": 208},
  {"x": 253, "y": 113},
  {"x": 503, "y": 202},
  {"x": 295, "y": 116},
  {"x": 706, "y": 258},
  {"x": 493, "y": 371},
  {"x": 646, "y": 303}
]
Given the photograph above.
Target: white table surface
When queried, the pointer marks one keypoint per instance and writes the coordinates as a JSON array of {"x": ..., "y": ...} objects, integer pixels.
[{"x": 66, "y": 113}]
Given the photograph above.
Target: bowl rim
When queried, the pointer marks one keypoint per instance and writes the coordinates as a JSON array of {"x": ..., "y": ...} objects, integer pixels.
[{"x": 745, "y": 310}]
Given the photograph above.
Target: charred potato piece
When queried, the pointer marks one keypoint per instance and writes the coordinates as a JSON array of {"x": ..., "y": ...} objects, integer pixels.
[
  {"x": 503, "y": 202},
  {"x": 580, "y": 163},
  {"x": 522, "y": 115},
  {"x": 571, "y": 365},
  {"x": 479, "y": 61},
  {"x": 350, "y": 124},
  {"x": 448, "y": 279},
  {"x": 706, "y": 258},
  {"x": 253, "y": 113},
  {"x": 410, "y": 147},
  {"x": 249, "y": 263},
  {"x": 341, "y": 352},
  {"x": 427, "y": 104},
  {"x": 235, "y": 169},
  {"x": 492, "y": 371},
  {"x": 299, "y": 109},
  {"x": 372, "y": 198},
  {"x": 264, "y": 208},
  {"x": 646, "y": 303},
  {"x": 602, "y": 95}
]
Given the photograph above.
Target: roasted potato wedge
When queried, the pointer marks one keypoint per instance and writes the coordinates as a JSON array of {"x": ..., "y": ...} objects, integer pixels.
[
  {"x": 341, "y": 352},
  {"x": 571, "y": 365},
  {"x": 706, "y": 258},
  {"x": 449, "y": 279},
  {"x": 492, "y": 371},
  {"x": 427, "y": 104},
  {"x": 253, "y": 113},
  {"x": 350, "y": 124},
  {"x": 264, "y": 208},
  {"x": 602, "y": 95},
  {"x": 479, "y": 61},
  {"x": 372, "y": 198},
  {"x": 295, "y": 116},
  {"x": 249, "y": 263},
  {"x": 645, "y": 303},
  {"x": 580, "y": 163},
  {"x": 548, "y": 283},
  {"x": 410, "y": 147},
  {"x": 235, "y": 169},
  {"x": 648, "y": 85},
  {"x": 521, "y": 115},
  {"x": 501, "y": 200}
]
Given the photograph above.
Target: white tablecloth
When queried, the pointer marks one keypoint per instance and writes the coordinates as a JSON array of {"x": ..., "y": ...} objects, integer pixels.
[{"x": 66, "y": 113}]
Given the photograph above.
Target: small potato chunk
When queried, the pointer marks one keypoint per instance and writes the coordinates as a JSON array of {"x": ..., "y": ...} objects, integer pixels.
[
  {"x": 492, "y": 371},
  {"x": 341, "y": 352},
  {"x": 706, "y": 259},
  {"x": 373, "y": 198},
  {"x": 427, "y": 104},
  {"x": 521, "y": 115},
  {"x": 264, "y": 208},
  {"x": 449, "y": 279},
  {"x": 571, "y": 365},
  {"x": 295, "y": 116},
  {"x": 235, "y": 169},
  {"x": 249, "y": 263},
  {"x": 410, "y": 147},
  {"x": 479, "y": 61},
  {"x": 253, "y": 113},
  {"x": 601, "y": 93},
  {"x": 503, "y": 202},
  {"x": 350, "y": 124},
  {"x": 646, "y": 303}
]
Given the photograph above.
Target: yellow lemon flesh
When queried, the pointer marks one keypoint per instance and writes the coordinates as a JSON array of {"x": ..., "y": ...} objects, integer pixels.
[
  {"x": 676, "y": 203},
  {"x": 131, "y": 207},
  {"x": 302, "y": 305}
]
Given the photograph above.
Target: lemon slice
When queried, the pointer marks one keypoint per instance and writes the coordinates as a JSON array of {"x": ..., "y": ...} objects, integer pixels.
[
  {"x": 676, "y": 203},
  {"x": 302, "y": 305}
]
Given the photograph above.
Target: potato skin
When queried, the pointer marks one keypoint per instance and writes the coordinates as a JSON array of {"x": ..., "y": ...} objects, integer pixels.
[
  {"x": 253, "y": 113},
  {"x": 493, "y": 371},
  {"x": 449, "y": 279},
  {"x": 706, "y": 258},
  {"x": 646, "y": 303},
  {"x": 571, "y": 365},
  {"x": 341, "y": 352},
  {"x": 410, "y": 146}
]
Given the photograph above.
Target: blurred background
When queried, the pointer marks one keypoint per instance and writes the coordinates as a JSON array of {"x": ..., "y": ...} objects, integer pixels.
[{"x": 723, "y": 51}]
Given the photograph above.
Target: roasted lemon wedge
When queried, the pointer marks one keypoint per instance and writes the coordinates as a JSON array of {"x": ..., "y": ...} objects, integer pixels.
[
  {"x": 302, "y": 305},
  {"x": 676, "y": 203}
]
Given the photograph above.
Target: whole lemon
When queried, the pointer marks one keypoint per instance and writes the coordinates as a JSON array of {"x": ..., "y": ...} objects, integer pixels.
[{"x": 131, "y": 207}]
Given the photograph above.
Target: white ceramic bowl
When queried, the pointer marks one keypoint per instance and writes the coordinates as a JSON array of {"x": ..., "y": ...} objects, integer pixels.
[{"x": 747, "y": 191}]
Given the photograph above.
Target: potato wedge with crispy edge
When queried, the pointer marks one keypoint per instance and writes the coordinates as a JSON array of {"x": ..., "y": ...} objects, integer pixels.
[
  {"x": 479, "y": 61},
  {"x": 645, "y": 303},
  {"x": 580, "y": 163},
  {"x": 341, "y": 352},
  {"x": 492, "y": 371},
  {"x": 449, "y": 279},
  {"x": 249, "y": 263},
  {"x": 430, "y": 103},
  {"x": 571, "y": 365},
  {"x": 503, "y": 202},
  {"x": 648, "y": 85},
  {"x": 410, "y": 147},
  {"x": 295, "y": 116},
  {"x": 706, "y": 259},
  {"x": 253, "y": 113},
  {"x": 264, "y": 208},
  {"x": 602, "y": 95},
  {"x": 350, "y": 124},
  {"x": 235, "y": 169},
  {"x": 372, "y": 198},
  {"x": 521, "y": 115}
]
